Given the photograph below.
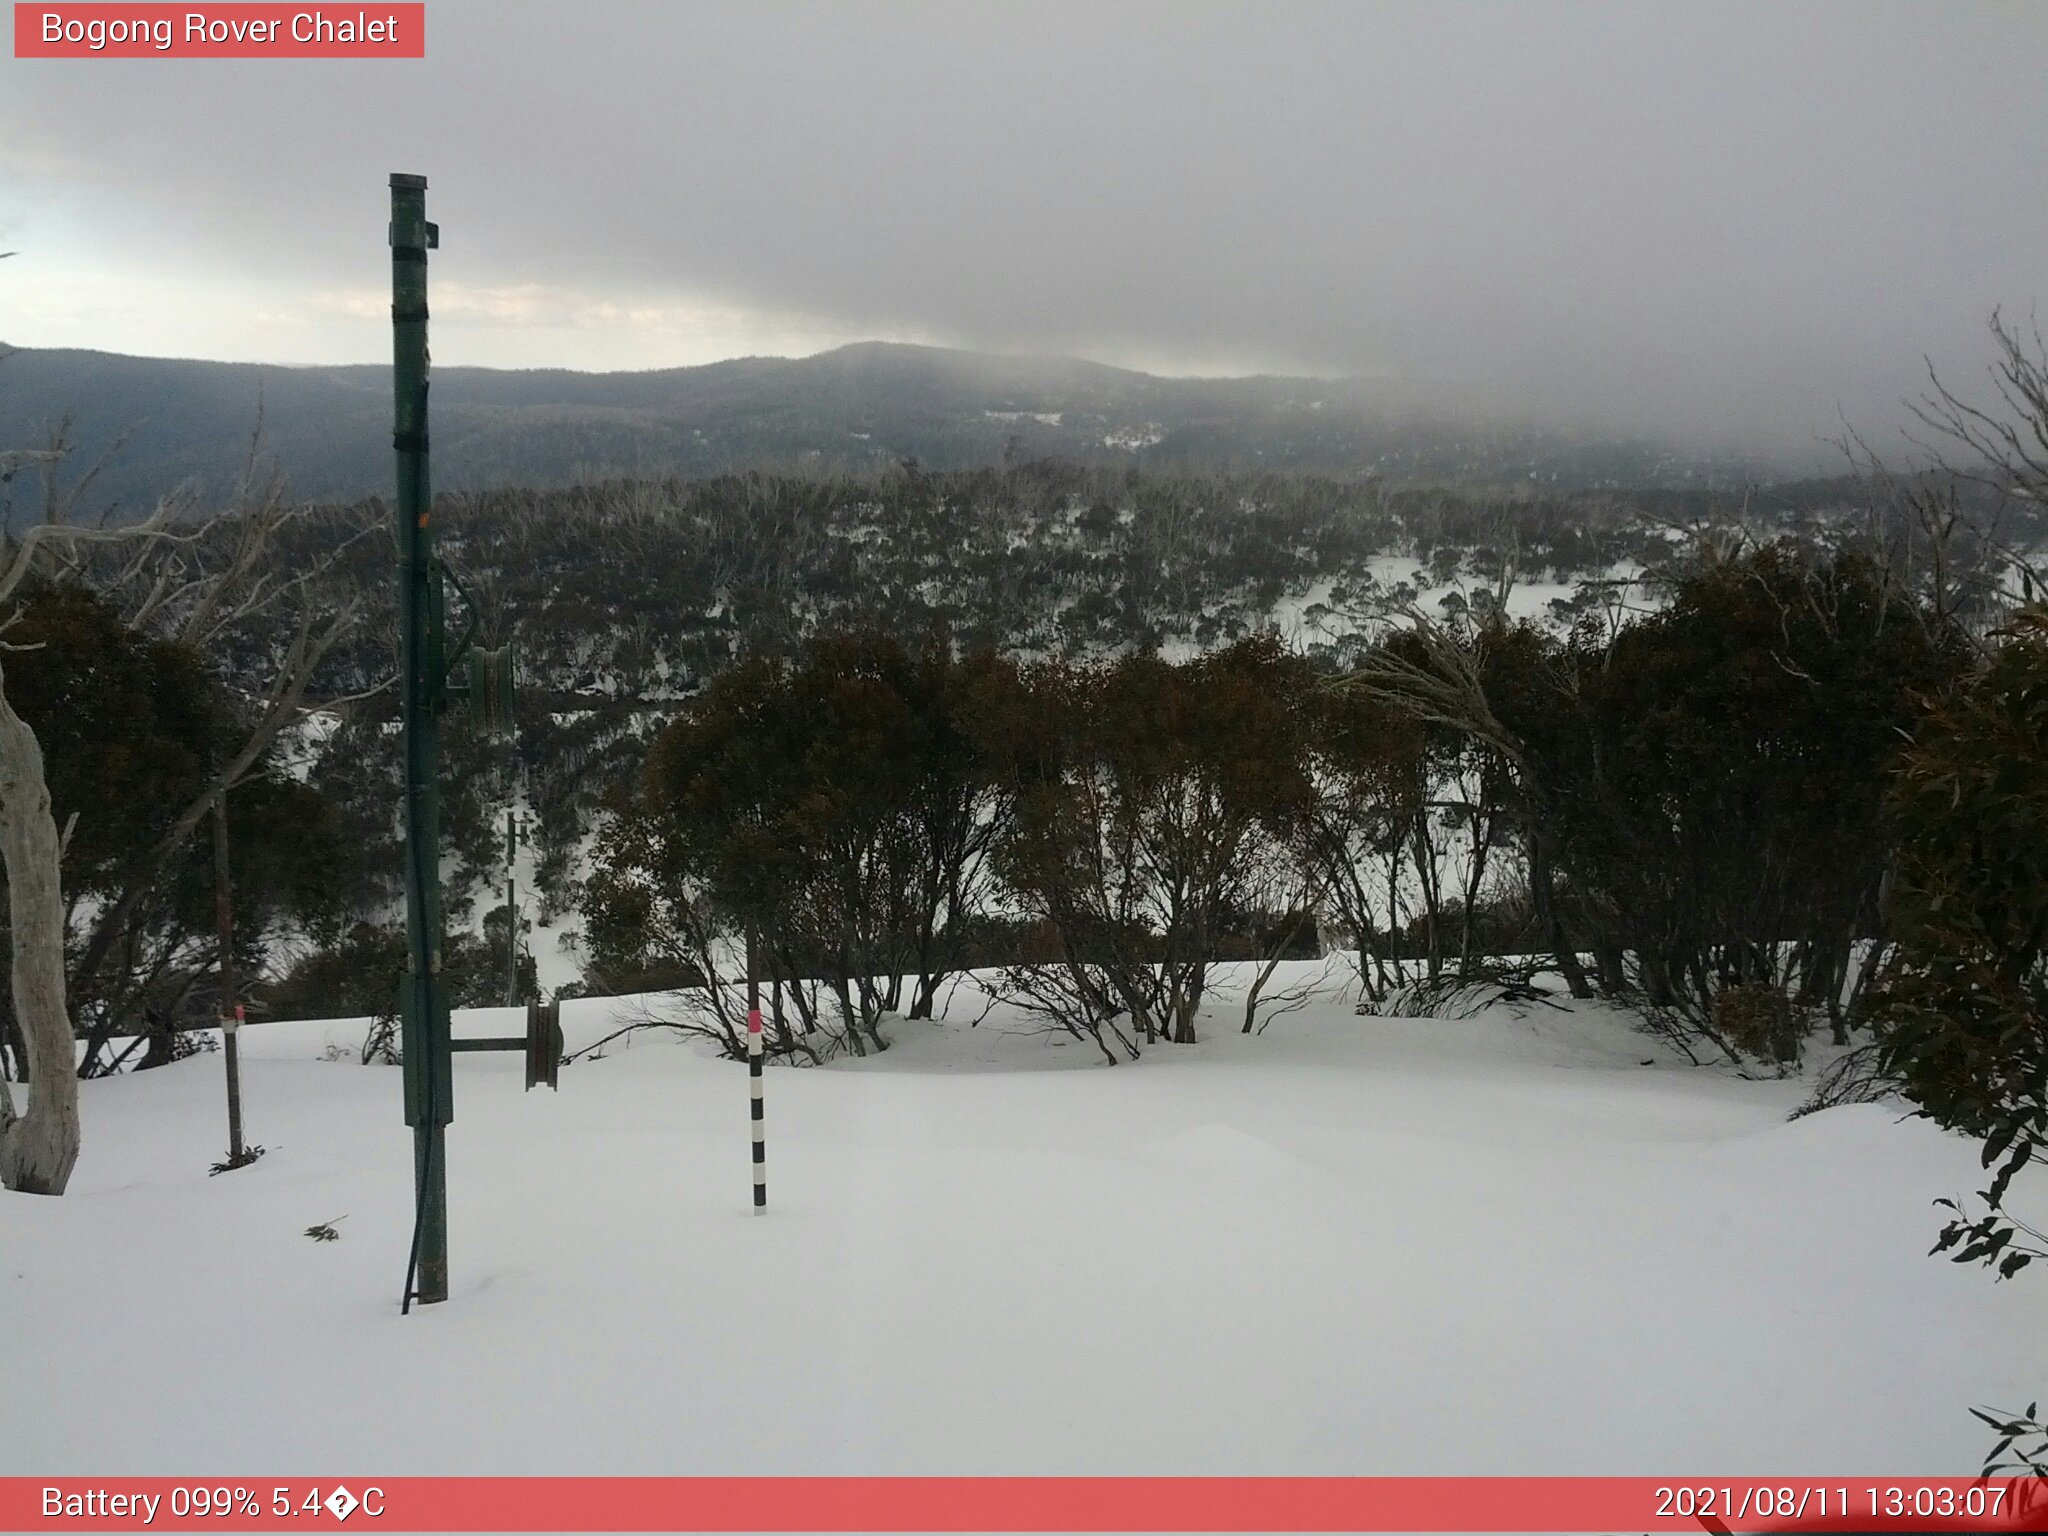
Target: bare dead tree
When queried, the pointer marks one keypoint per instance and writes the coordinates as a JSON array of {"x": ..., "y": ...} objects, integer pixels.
[
  {"x": 203, "y": 589},
  {"x": 1959, "y": 530},
  {"x": 2005, "y": 446}
]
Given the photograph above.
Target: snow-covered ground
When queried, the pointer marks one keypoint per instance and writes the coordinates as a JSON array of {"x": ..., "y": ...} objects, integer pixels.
[{"x": 1351, "y": 1245}]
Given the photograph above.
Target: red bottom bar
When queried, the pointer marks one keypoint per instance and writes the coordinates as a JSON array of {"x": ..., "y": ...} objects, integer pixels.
[{"x": 1537, "y": 1504}]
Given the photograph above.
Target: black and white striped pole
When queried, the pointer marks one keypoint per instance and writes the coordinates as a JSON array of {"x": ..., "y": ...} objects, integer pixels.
[{"x": 754, "y": 1104}]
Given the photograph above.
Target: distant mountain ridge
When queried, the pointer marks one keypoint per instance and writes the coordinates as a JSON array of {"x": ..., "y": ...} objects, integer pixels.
[{"x": 858, "y": 407}]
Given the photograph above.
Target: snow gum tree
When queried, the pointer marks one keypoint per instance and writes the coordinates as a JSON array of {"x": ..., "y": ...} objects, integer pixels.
[
  {"x": 38, "y": 1147},
  {"x": 1140, "y": 800},
  {"x": 39, "y": 1142},
  {"x": 836, "y": 809},
  {"x": 197, "y": 583},
  {"x": 1697, "y": 796}
]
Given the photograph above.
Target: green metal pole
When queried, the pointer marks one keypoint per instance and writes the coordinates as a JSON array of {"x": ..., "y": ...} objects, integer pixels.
[
  {"x": 424, "y": 1014},
  {"x": 230, "y": 1010}
]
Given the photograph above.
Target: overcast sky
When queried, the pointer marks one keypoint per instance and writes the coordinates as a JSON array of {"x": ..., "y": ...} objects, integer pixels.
[{"x": 1732, "y": 222}]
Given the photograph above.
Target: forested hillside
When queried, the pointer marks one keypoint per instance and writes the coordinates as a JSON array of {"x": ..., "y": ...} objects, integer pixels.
[{"x": 857, "y": 409}]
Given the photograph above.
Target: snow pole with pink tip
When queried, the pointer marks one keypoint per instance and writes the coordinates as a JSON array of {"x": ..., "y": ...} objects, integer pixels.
[{"x": 754, "y": 1103}]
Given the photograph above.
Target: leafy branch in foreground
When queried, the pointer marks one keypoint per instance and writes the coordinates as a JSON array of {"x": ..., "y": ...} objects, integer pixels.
[
  {"x": 234, "y": 1160},
  {"x": 1963, "y": 1012},
  {"x": 1991, "y": 1239},
  {"x": 2022, "y": 1449}
]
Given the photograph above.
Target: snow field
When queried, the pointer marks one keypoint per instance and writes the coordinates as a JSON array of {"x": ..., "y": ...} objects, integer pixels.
[{"x": 1351, "y": 1245}]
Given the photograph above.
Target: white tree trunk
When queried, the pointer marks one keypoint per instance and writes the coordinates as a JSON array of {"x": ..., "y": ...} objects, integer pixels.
[{"x": 38, "y": 1148}]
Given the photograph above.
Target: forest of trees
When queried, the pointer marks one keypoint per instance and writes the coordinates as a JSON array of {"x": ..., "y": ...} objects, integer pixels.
[
  {"x": 1683, "y": 811},
  {"x": 623, "y": 600},
  {"x": 1667, "y": 776}
]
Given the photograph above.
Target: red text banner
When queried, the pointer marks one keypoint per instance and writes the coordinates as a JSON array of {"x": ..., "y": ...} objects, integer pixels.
[
  {"x": 221, "y": 31},
  {"x": 1538, "y": 1504}
]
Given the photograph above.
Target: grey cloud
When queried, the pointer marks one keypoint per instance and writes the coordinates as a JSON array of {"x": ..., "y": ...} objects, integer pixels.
[{"x": 1729, "y": 222}]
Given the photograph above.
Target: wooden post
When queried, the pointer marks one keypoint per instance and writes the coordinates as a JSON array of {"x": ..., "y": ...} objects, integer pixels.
[
  {"x": 230, "y": 1007},
  {"x": 511, "y": 906}
]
